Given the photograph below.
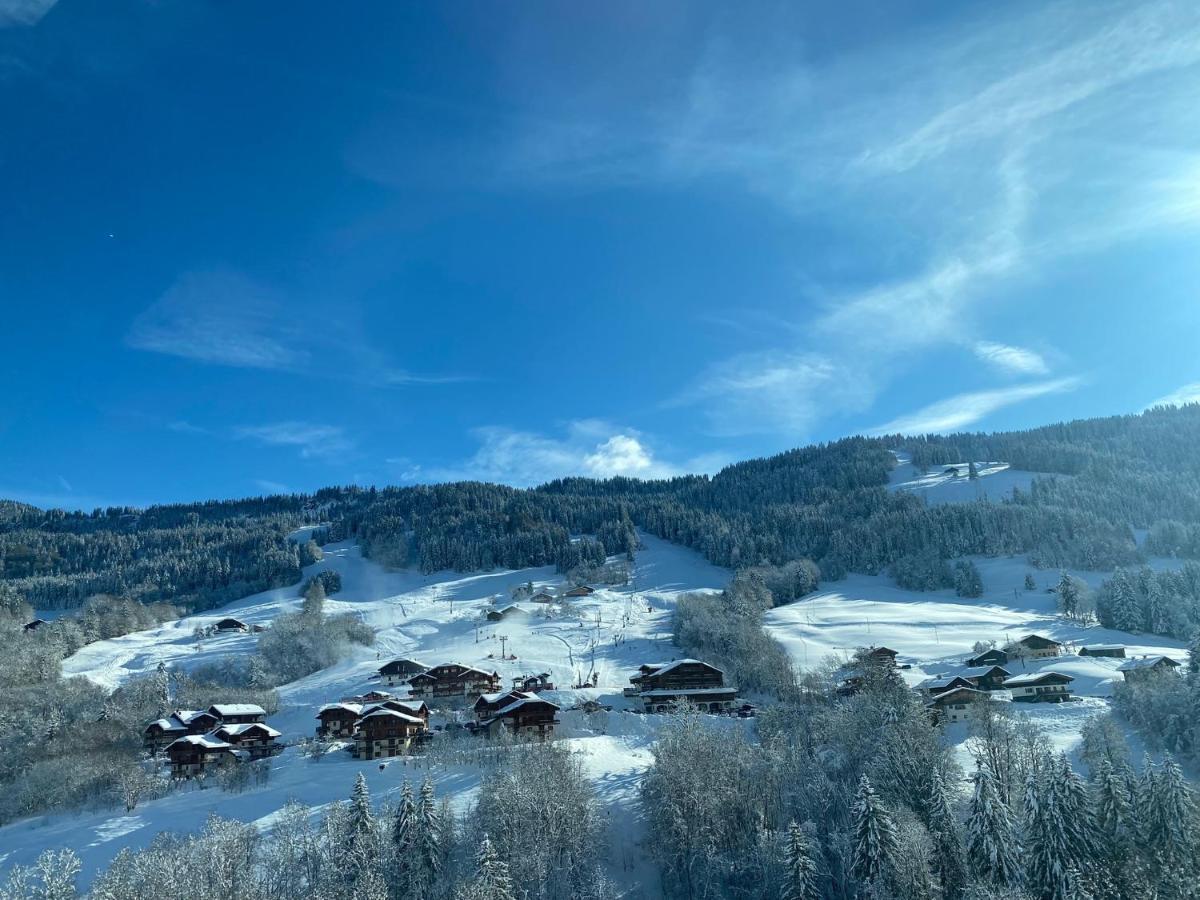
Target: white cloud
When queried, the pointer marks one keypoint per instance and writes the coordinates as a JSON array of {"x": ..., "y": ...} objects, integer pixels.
[
  {"x": 1188, "y": 393},
  {"x": 775, "y": 392},
  {"x": 1014, "y": 360},
  {"x": 23, "y": 12},
  {"x": 591, "y": 448},
  {"x": 313, "y": 441},
  {"x": 960, "y": 411},
  {"x": 221, "y": 317}
]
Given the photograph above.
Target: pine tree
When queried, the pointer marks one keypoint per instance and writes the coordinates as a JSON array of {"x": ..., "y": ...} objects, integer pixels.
[
  {"x": 1068, "y": 595},
  {"x": 949, "y": 857},
  {"x": 1173, "y": 820},
  {"x": 1071, "y": 798},
  {"x": 362, "y": 821},
  {"x": 404, "y": 826},
  {"x": 1030, "y": 584},
  {"x": 1123, "y": 609},
  {"x": 1046, "y": 845},
  {"x": 492, "y": 880},
  {"x": 427, "y": 856},
  {"x": 874, "y": 835},
  {"x": 992, "y": 844},
  {"x": 801, "y": 882}
]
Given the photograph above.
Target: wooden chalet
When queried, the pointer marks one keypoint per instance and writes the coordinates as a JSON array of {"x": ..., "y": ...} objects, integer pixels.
[
  {"x": 1033, "y": 646},
  {"x": 196, "y": 754},
  {"x": 256, "y": 738},
  {"x": 534, "y": 683},
  {"x": 542, "y": 597},
  {"x": 935, "y": 686},
  {"x": 161, "y": 732},
  {"x": 512, "y": 611},
  {"x": 986, "y": 678},
  {"x": 371, "y": 697},
  {"x": 237, "y": 713},
  {"x": 489, "y": 704},
  {"x": 1040, "y": 687},
  {"x": 661, "y": 686},
  {"x": 34, "y": 625},
  {"x": 526, "y": 715},
  {"x": 993, "y": 657},
  {"x": 1145, "y": 666},
  {"x": 578, "y": 591},
  {"x": 338, "y": 720},
  {"x": 882, "y": 655},
  {"x": 386, "y": 732},
  {"x": 451, "y": 681},
  {"x": 957, "y": 705},
  {"x": 230, "y": 624},
  {"x": 1115, "y": 651},
  {"x": 398, "y": 671}
]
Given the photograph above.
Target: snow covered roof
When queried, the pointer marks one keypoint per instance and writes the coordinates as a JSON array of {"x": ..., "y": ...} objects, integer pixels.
[
  {"x": 247, "y": 726},
  {"x": 204, "y": 741},
  {"x": 394, "y": 714},
  {"x": 1090, "y": 648},
  {"x": 495, "y": 698},
  {"x": 1035, "y": 678},
  {"x": 169, "y": 724},
  {"x": 1146, "y": 662},
  {"x": 661, "y": 668},
  {"x": 237, "y": 709},
  {"x": 943, "y": 681},
  {"x": 516, "y": 704},
  {"x": 355, "y": 708},
  {"x": 1035, "y": 640},
  {"x": 959, "y": 694},
  {"x": 978, "y": 671}
]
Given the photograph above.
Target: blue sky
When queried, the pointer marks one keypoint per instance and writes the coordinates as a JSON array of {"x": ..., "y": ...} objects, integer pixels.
[{"x": 243, "y": 251}]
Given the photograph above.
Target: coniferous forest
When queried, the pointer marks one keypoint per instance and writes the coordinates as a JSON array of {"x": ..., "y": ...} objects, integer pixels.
[
  {"x": 828, "y": 797},
  {"x": 1099, "y": 480}
]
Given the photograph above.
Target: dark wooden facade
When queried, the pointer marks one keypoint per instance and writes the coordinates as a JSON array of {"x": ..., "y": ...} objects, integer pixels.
[
  {"x": 386, "y": 732},
  {"x": 525, "y": 716},
  {"x": 451, "y": 681},
  {"x": 992, "y": 657},
  {"x": 398, "y": 671},
  {"x": 662, "y": 685}
]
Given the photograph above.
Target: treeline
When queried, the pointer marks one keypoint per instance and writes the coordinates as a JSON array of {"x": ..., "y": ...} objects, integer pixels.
[
  {"x": 859, "y": 798},
  {"x": 534, "y": 833},
  {"x": 827, "y": 503},
  {"x": 1155, "y": 602},
  {"x": 69, "y": 743}
]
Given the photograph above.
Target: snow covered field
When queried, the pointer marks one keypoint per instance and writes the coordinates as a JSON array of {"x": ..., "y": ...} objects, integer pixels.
[
  {"x": 995, "y": 481},
  {"x": 435, "y": 618},
  {"x": 438, "y": 618}
]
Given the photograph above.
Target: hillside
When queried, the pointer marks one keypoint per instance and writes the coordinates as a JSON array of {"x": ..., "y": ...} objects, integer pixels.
[{"x": 820, "y": 551}]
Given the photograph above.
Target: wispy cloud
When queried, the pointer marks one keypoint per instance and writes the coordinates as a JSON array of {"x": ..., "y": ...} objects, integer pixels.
[
  {"x": 23, "y": 12},
  {"x": 313, "y": 441},
  {"x": 223, "y": 317},
  {"x": 964, "y": 170},
  {"x": 774, "y": 393},
  {"x": 590, "y": 448},
  {"x": 1188, "y": 393},
  {"x": 962, "y": 410},
  {"x": 1010, "y": 359}
]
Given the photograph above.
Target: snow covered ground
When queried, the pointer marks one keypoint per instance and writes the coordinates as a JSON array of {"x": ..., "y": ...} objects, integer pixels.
[
  {"x": 435, "y": 618},
  {"x": 951, "y": 484},
  {"x": 439, "y": 618}
]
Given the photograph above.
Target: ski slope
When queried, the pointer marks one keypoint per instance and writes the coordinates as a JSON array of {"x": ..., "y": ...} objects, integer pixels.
[
  {"x": 439, "y": 618},
  {"x": 435, "y": 618}
]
